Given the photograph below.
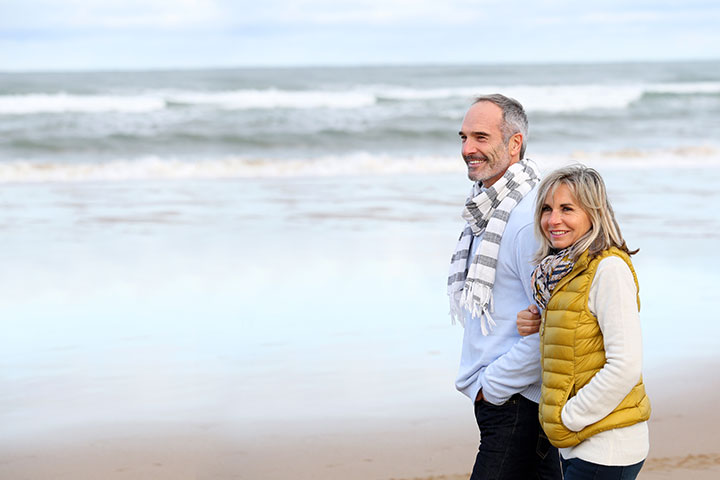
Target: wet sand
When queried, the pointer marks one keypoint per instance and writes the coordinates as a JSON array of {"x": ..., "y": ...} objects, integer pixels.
[{"x": 684, "y": 444}]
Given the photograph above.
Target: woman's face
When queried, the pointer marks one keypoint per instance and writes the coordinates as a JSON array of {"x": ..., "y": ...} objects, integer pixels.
[{"x": 562, "y": 220}]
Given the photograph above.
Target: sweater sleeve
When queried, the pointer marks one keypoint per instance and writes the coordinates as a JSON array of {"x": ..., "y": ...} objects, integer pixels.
[
  {"x": 520, "y": 366},
  {"x": 613, "y": 300}
]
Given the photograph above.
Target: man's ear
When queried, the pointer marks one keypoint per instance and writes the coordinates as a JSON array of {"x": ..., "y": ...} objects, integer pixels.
[{"x": 515, "y": 144}]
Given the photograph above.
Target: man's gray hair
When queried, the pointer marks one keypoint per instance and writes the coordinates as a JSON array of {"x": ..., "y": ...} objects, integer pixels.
[{"x": 514, "y": 118}]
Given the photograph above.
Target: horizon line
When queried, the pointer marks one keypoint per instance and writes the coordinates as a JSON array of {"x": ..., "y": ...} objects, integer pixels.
[{"x": 369, "y": 65}]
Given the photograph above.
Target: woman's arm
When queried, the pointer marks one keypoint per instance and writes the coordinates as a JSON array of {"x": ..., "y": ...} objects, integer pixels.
[{"x": 613, "y": 300}]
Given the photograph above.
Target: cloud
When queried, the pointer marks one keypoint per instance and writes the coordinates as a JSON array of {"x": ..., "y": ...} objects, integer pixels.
[
  {"x": 36, "y": 15},
  {"x": 170, "y": 33},
  {"x": 60, "y": 15}
]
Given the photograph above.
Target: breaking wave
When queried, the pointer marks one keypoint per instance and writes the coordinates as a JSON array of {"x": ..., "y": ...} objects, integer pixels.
[
  {"x": 158, "y": 168},
  {"x": 542, "y": 98}
]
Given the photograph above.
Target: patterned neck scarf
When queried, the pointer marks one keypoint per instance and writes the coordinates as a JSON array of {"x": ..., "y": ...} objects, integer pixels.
[
  {"x": 548, "y": 273},
  {"x": 487, "y": 211}
]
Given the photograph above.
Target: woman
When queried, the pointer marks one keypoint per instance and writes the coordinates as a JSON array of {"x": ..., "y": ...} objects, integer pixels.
[{"x": 593, "y": 404}]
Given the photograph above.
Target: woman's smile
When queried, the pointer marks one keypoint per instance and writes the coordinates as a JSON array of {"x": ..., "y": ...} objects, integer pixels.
[{"x": 563, "y": 221}]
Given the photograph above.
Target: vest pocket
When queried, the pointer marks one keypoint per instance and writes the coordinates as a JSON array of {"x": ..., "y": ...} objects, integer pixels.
[{"x": 568, "y": 395}]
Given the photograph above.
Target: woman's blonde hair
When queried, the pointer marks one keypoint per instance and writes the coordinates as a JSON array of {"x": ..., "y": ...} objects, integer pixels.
[{"x": 588, "y": 188}]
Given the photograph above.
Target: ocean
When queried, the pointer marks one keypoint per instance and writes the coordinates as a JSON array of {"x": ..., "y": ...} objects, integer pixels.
[
  {"x": 251, "y": 123},
  {"x": 254, "y": 247}
]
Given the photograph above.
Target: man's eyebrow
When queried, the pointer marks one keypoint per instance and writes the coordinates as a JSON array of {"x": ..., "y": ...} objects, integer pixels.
[{"x": 474, "y": 134}]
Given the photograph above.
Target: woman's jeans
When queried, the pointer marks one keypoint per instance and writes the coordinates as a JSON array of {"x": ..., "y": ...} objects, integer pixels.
[
  {"x": 576, "y": 469},
  {"x": 512, "y": 444}
]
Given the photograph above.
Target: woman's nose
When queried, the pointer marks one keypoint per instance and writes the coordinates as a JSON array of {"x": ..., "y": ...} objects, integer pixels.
[{"x": 554, "y": 218}]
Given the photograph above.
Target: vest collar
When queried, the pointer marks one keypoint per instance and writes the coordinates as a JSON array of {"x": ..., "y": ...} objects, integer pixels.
[{"x": 580, "y": 265}]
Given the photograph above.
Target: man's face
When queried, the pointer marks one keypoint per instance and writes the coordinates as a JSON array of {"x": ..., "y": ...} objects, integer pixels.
[{"x": 485, "y": 153}]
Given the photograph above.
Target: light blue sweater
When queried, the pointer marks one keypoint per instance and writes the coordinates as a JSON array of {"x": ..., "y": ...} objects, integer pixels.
[{"x": 504, "y": 363}]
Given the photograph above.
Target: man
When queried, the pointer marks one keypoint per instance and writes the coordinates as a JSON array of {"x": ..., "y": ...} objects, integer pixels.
[{"x": 489, "y": 284}]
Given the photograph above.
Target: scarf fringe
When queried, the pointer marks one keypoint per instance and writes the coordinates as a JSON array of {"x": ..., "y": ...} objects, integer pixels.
[
  {"x": 457, "y": 315},
  {"x": 477, "y": 299}
]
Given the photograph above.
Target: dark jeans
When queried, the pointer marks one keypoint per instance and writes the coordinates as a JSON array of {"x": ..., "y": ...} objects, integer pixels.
[
  {"x": 576, "y": 469},
  {"x": 512, "y": 444}
]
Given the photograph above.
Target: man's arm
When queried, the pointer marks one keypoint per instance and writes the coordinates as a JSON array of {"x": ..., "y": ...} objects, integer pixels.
[
  {"x": 512, "y": 372},
  {"x": 520, "y": 366}
]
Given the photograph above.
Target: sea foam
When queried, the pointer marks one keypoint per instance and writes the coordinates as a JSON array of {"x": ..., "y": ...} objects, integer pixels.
[
  {"x": 540, "y": 98},
  {"x": 64, "y": 102},
  {"x": 354, "y": 164}
]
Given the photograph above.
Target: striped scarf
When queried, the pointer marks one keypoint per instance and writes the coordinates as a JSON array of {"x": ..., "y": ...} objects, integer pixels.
[
  {"x": 487, "y": 211},
  {"x": 548, "y": 273}
]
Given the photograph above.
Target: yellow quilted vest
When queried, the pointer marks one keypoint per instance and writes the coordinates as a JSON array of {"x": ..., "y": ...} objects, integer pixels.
[{"x": 572, "y": 353}]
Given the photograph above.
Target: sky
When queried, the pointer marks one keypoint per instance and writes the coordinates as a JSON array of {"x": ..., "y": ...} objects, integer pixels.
[{"x": 160, "y": 34}]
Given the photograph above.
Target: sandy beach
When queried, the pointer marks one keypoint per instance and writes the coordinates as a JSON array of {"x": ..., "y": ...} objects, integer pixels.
[
  {"x": 170, "y": 385},
  {"x": 185, "y": 295},
  {"x": 136, "y": 355},
  {"x": 684, "y": 444}
]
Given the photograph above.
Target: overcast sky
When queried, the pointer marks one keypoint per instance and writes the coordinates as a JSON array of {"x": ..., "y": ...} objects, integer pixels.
[{"x": 107, "y": 34}]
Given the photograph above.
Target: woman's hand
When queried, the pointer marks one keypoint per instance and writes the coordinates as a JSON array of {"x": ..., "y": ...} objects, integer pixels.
[{"x": 528, "y": 321}]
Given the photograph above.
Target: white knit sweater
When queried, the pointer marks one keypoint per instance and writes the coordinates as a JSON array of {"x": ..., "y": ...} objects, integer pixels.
[{"x": 613, "y": 300}]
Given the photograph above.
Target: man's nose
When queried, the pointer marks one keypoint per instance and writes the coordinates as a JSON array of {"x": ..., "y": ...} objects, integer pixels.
[{"x": 468, "y": 147}]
